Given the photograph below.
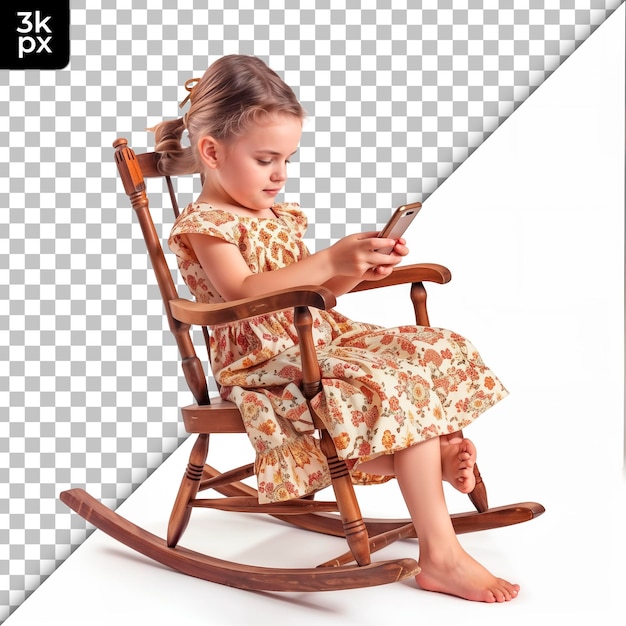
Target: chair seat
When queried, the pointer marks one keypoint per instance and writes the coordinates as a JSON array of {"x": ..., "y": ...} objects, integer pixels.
[{"x": 221, "y": 416}]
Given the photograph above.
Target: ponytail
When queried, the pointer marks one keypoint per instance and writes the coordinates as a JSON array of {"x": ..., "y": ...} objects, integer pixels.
[{"x": 175, "y": 159}]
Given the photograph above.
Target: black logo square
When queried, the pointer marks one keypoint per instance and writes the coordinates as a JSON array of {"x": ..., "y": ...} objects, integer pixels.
[{"x": 34, "y": 35}]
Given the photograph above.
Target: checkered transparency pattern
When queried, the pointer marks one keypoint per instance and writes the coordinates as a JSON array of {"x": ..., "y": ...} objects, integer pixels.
[{"x": 90, "y": 388}]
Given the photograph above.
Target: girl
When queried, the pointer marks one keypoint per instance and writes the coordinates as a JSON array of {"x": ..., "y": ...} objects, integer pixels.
[{"x": 394, "y": 400}]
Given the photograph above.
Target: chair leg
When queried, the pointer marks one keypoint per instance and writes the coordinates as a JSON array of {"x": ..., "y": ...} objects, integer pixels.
[
  {"x": 478, "y": 496},
  {"x": 353, "y": 524},
  {"x": 188, "y": 490}
]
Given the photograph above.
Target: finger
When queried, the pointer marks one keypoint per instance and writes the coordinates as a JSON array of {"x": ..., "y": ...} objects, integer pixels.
[
  {"x": 380, "y": 243},
  {"x": 400, "y": 247},
  {"x": 393, "y": 258}
]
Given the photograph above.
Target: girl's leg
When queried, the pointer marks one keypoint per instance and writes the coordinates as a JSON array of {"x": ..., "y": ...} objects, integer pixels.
[
  {"x": 446, "y": 567},
  {"x": 458, "y": 456}
]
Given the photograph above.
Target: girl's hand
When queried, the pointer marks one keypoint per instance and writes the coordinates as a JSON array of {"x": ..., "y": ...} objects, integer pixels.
[
  {"x": 357, "y": 256},
  {"x": 381, "y": 271}
]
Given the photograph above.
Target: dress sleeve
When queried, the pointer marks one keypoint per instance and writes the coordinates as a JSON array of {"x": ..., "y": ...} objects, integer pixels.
[
  {"x": 292, "y": 214},
  {"x": 201, "y": 219}
]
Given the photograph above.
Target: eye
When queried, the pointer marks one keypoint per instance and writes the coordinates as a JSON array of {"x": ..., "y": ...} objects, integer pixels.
[{"x": 262, "y": 162}]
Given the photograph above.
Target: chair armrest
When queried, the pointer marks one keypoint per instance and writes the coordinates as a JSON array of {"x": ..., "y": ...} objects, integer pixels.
[
  {"x": 417, "y": 273},
  {"x": 204, "y": 314}
]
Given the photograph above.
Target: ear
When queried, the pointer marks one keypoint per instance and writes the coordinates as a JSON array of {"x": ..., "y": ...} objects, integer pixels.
[{"x": 209, "y": 150}]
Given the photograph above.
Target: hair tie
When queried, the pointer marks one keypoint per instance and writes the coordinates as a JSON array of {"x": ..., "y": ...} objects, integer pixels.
[{"x": 189, "y": 86}]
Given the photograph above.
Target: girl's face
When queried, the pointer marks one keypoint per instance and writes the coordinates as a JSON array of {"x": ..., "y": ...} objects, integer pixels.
[{"x": 250, "y": 170}]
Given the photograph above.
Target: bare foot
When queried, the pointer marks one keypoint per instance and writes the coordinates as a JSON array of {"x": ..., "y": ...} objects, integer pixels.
[
  {"x": 458, "y": 457},
  {"x": 464, "y": 577}
]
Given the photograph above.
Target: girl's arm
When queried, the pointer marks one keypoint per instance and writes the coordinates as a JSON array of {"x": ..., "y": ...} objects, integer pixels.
[{"x": 341, "y": 266}]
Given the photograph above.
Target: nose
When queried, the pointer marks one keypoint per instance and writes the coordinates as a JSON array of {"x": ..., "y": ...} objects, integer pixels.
[{"x": 280, "y": 173}]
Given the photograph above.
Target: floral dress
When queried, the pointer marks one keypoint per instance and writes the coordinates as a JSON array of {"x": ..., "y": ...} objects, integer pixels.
[{"x": 382, "y": 389}]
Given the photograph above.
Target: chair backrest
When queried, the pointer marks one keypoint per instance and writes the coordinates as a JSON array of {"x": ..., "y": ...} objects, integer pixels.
[{"x": 134, "y": 169}]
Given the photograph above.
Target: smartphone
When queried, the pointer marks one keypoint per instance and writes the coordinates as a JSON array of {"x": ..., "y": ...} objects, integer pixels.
[{"x": 399, "y": 222}]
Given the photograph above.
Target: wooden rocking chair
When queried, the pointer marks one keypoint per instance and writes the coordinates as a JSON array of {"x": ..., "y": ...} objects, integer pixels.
[{"x": 342, "y": 517}]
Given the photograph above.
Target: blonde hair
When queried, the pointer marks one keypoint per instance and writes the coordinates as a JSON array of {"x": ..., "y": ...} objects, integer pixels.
[{"x": 235, "y": 92}]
